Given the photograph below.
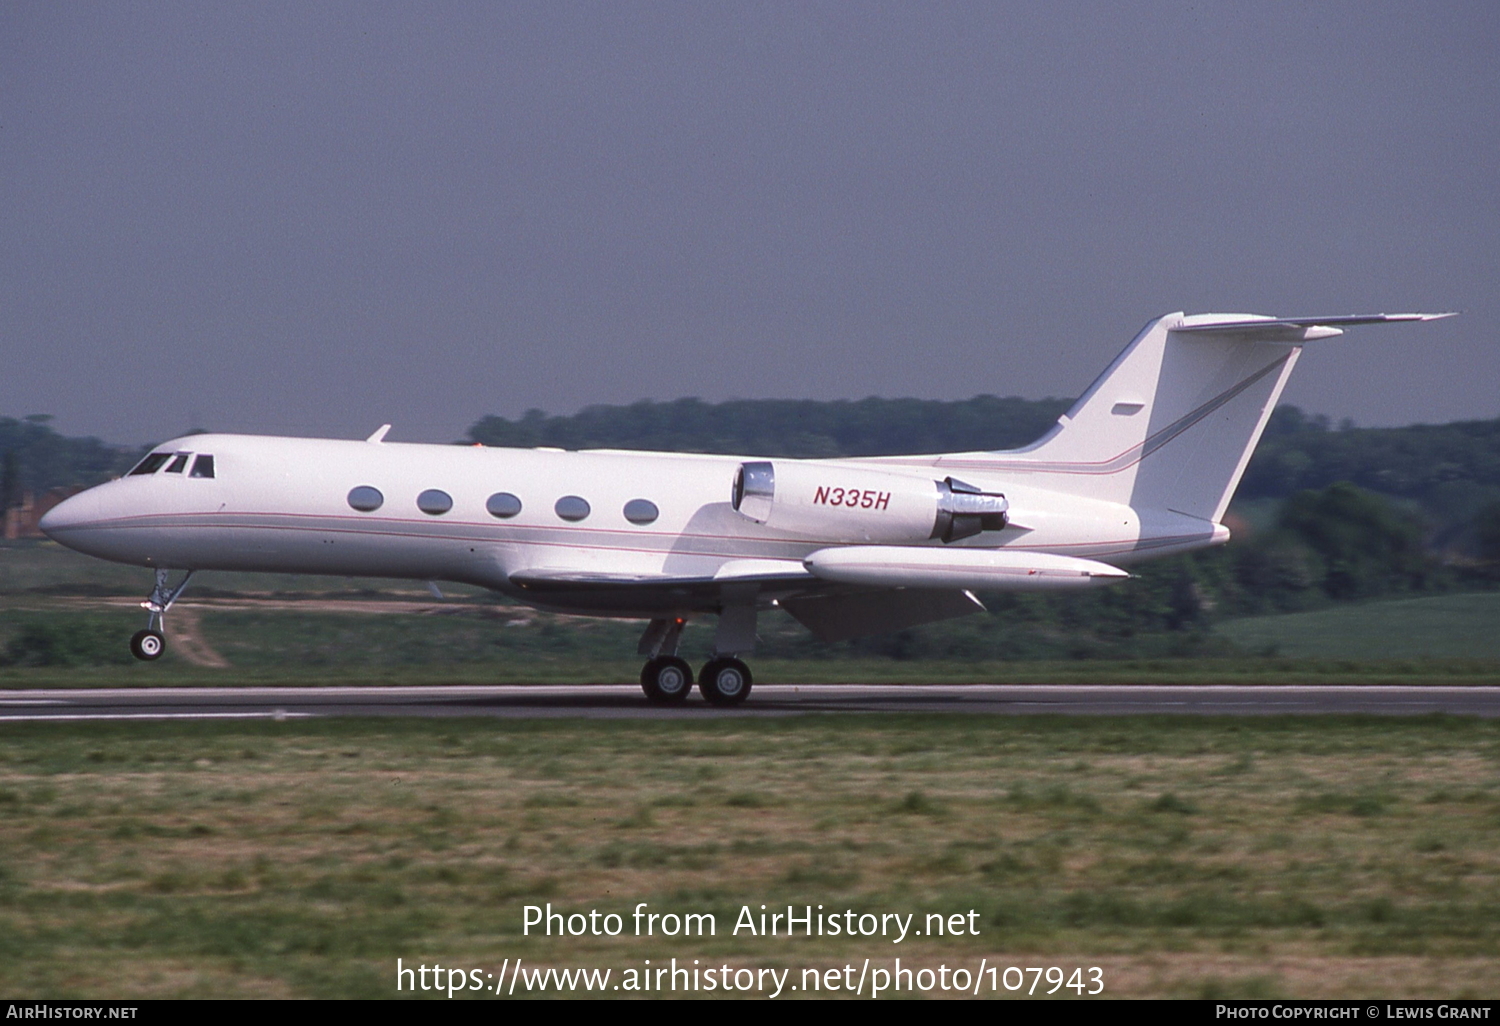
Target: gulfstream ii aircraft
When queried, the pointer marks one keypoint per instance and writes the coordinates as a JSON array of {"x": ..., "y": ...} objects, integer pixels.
[{"x": 1144, "y": 464}]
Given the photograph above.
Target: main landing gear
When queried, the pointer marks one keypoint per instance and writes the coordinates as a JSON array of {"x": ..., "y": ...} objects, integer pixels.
[
  {"x": 150, "y": 643},
  {"x": 666, "y": 679},
  {"x": 724, "y": 681}
]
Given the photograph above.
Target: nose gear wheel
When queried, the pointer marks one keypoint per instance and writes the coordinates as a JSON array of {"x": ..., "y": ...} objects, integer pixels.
[{"x": 148, "y": 645}]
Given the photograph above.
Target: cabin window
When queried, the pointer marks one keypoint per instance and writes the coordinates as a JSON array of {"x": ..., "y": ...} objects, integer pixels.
[
  {"x": 178, "y": 464},
  {"x": 571, "y": 507},
  {"x": 641, "y": 511},
  {"x": 434, "y": 502},
  {"x": 203, "y": 466},
  {"x": 365, "y": 499},
  {"x": 151, "y": 464},
  {"x": 503, "y": 505}
]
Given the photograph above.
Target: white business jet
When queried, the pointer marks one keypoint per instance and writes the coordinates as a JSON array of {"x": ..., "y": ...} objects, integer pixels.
[{"x": 1143, "y": 465}]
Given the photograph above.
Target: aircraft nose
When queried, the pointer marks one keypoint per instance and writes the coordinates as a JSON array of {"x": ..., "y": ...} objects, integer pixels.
[{"x": 70, "y": 515}]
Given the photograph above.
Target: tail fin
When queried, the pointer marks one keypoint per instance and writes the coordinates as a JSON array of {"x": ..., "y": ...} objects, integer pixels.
[{"x": 1171, "y": 423}]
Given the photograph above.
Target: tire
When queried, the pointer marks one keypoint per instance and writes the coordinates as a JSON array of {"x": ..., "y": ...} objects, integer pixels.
[
  {"x": 725, "y": 682},
  {"x": 666, "y": 680},
  {"x": 148, "y": 645}
]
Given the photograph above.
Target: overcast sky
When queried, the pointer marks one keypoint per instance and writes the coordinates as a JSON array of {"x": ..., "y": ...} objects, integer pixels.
[{"x": 313, "y": 218}]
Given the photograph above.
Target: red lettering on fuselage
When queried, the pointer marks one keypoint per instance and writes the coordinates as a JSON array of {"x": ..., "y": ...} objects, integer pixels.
[{"x": 851, "y": 498}]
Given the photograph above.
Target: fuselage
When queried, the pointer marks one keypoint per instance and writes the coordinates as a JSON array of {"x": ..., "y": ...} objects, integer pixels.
[{"x": 482, "y": 515}]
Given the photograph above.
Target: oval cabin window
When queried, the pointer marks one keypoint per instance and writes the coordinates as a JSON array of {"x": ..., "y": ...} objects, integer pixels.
[
  {"x": 641, "y": 511},
  {"x": 366, "y": 499},
  {"x": 503, "y": 505},
  {"x": 434, "y": 502},
  {"x": 571, "y": 507}
]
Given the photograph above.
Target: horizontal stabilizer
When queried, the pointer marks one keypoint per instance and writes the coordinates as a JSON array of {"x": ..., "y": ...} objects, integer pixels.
[
  {"x": 898, "y": 566},
  {"x": 1256, "y": 328}
]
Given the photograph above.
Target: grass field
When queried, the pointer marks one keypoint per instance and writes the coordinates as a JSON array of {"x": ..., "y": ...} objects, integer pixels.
[
  {"x": 1185, "y": 857},
  {"x": 284, "y": 629},
  {"x": 1465, "y": 626}
]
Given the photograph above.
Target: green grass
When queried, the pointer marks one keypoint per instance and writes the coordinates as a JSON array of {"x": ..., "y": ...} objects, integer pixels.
[
  {"x": 1187, "y": 857},
  {"x": 625, "y": 669},
  {"x": 51, "y": 646},
  {"x": 33, "y": 568},
  {"x": 64, "y": 619},
  {"x": 1465, "y": 626}
]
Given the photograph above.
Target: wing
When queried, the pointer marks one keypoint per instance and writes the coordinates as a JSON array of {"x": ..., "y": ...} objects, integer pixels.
[
  {"x": 651, "y": 594},
  {"x": 832, "y": 611}
]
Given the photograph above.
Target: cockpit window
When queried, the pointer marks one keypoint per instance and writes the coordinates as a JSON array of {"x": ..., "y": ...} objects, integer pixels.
[
  {"x": 179, "y": 462},
  {"x": 203, "y": 466},
  {"x": 151, "y": 464}
]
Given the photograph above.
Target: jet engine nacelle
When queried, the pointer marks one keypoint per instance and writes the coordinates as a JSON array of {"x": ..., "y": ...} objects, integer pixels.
[{"x": 828, "y": 502}]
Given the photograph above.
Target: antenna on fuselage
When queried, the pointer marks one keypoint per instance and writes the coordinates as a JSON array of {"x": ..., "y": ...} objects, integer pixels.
[{"x": 379, "y": 435}]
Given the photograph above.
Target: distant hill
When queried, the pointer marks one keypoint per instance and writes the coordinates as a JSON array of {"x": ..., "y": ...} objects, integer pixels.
[
  {"x": 1451, "y": 471},
  {"x": 1323, "y": 542},
  {"x": 786, "y": 427}
]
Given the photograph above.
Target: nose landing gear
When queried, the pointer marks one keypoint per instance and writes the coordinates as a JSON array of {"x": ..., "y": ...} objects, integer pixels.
[{"x": 150, "y": 643}]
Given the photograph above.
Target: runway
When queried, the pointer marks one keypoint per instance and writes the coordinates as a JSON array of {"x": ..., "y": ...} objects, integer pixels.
[{"x": 620, "y": 701}]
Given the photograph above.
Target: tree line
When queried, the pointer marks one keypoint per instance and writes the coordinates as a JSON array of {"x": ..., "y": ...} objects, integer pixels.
[
  {"x": 1355, "y": 513},
  {"x": 1448, "y": 475},
  {"x": 1449, "y": 469},
  {"x": 805, "y": 428},
  {"x": 34, "y": 458}
]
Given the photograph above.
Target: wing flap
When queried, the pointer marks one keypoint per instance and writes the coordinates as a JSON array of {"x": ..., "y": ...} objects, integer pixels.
[
  {"x": 761, "y": 571},
  {"x": 839, "y": 617}
]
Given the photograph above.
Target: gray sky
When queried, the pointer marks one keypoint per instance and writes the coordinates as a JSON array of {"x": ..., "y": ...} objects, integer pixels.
[{"x": 313, "y": 218}]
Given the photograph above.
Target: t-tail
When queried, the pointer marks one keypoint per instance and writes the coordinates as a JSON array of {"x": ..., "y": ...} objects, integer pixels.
[{"x": 1171, "y": 423}]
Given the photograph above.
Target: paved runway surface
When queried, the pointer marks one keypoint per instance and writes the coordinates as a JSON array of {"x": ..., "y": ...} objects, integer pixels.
[{"x": 619, "y": 701}]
